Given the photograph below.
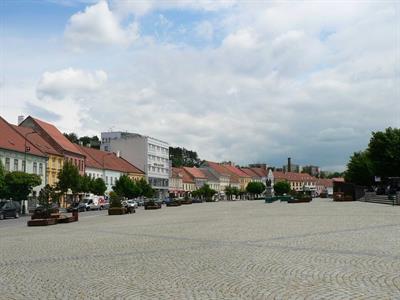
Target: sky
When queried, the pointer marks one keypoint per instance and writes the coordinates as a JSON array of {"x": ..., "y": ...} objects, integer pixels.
[{"x": 241, "y": 81}]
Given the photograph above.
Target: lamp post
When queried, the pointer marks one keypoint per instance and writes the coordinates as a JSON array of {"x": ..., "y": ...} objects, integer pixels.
[{"x": 26, "y": 149}]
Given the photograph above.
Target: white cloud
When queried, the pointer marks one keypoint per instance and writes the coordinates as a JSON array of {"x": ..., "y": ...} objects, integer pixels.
[
  {"x": 300, "y": 79},
  {"x": 243, "y": 38},
  {"x": 205, "y": 30},
  {"x": 69, "y": 82},
  {"x": 97, "y": 25}
]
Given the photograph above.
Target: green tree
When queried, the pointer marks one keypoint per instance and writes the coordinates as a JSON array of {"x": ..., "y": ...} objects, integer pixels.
[
  {"x": 115, "y": 200},
  {"x": 384, "y": 152},
  {"x": 98, "y": 186},
  {"x": 255, "y": 188},
  {"x": 126, "y": 187},
  {"x": 229, "y": 192},
  {"x": 359, "y": 169},
  {"x": 47, "y": 196},
  {"x": 281, "y": 187},
  {"x": 69, "y": 178},
  {"x": 85, "y": 184},
  {"x": 206, "y": 192},
  {"x": 181, "y": 157},
  {"x": 145, "y": 189},
  {"x": 18, "y": 185},
  {"x": 72, "y": 137},
  {"x": 2, "y": 181}
]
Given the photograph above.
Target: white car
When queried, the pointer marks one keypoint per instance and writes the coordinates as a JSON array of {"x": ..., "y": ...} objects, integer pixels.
[{"x": 132, "y": 203}]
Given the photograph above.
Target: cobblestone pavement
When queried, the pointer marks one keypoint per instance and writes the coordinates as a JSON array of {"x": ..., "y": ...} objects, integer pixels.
[{"x": 226, "y": 250}]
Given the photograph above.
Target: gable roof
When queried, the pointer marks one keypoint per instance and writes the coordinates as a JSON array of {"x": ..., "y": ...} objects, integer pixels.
[
  {"x": 57, "y": 136},
  {"x": 325, "y": 182},
  {"x": 209, "y": 175},
  {"x": 217, "y": 168},
  {"x": 236, "y": 171},
  {"x": 195, "y": 172},
  {"x": 186, "y": 176},
  {"x": 260, "y": 171},
  {"x": 37, "y": 140},
  {"x": 251, "y": 173},
  {"x": 97, "y": 159},
  {"x": 292, "y": 176},
  {"x": 13, "y": 140},
  {"x": 176, "y": 173}
]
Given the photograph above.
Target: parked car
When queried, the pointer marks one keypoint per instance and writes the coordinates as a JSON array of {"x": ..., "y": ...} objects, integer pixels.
[
  {"x": 93, "y": 202},
  {"x": 132, "y": 203},
  {"x": 80, "y": 206},
  {"x": 129, "y": 205},
  {"x": 9, "y": 209}
]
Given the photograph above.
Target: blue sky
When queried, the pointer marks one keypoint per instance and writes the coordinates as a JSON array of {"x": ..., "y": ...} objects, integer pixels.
[{"x": 233, "y": 80}]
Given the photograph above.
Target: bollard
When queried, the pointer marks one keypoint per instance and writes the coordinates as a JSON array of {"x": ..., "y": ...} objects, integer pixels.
[{"x": 75, "y": 214}]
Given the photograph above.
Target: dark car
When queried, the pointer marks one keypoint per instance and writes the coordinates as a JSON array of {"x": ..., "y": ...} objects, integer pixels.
[
  {"x": 79, "y": 206},
  {"x": 9, "y": 209}
]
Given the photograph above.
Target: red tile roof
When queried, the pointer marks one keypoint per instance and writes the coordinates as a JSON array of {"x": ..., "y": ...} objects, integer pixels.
[
  {"x": 37, "y": 140},
  {"x": 195, "y": 172},
  {"x": 325, "y": 182},
  {"x": 236, "y": 171},
  {"x": 260, "y": 171},
  {"x": 185, "y": 176},
  {"x": 251, "y": 173},
  {"x": 97, "y": 159},
  {"x": 338, "y": 179},
  {"x": 57, "y": 136},
  {"x": 13, "y": 140},
  {"x": 176, "y": 173},
  {"x": 292, "y": 176},
  {"x": 217, "y": 168}
]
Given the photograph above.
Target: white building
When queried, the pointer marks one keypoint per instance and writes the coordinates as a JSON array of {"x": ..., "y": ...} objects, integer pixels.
[{"x": 148, "y": 154}]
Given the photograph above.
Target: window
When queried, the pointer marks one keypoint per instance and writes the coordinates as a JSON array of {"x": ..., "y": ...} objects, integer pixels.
[
  {"x": 15, "y": 164},
  {"x": 106, "y": 179},
  {"x": 40, "y": 169},
  {"x": 35, "y": 168},
  {"x": 111, "y": 180},
  {"x": 7, "y": 164},
  {"x": 24, "y": 165}
]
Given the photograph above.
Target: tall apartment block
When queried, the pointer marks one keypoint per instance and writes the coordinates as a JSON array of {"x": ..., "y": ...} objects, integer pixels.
[{"x": 149, "y": 154}]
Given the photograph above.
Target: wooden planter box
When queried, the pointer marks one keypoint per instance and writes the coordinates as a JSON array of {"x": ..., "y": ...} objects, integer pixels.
[
  {"x": 66, "y": 219},
  {"x": 152, "y": 207},
  {"x": 186, "y": 201},
  {"x": 42, "y": 222},
  {"x": 116, "y": 211},
  {"x": 173, "y": 203}
]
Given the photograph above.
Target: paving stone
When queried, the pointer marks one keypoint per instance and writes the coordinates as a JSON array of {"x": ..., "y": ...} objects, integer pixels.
[{"x": 226, "y": 250}]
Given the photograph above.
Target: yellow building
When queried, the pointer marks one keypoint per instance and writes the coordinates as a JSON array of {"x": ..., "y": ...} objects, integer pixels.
[{"x": 55, "y": 159}]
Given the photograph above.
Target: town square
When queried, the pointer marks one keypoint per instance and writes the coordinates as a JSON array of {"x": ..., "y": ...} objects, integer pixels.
[{"x": 222, "y": 250}]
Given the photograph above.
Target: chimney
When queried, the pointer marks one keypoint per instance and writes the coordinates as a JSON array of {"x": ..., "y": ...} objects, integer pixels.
[
  {"x": 289, "y": 165},
  {"x": 118, "y": 153},
  {"x": 20, "y": 119}
]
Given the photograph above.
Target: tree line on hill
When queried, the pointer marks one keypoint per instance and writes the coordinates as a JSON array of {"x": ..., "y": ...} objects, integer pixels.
[{"x": 93, "y": 141}]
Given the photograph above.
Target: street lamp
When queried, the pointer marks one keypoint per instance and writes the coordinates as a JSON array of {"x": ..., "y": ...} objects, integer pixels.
[{"x": 27, "y": 149}]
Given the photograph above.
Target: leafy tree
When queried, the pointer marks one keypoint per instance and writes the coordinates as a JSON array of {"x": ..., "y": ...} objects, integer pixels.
[
  {"x": 72, "y": 137},
  {"x": 206, "y": 192},
  {"x": 145, "y": 189},
  {"x": 359, "y": 169},
  {"x": 181, "y": 157},
  {"x": 98, "y": 186},
  {"x": 126, "y": 187},
  {"x": 19, "y": 184},
  {"x": 384, "y": 152},
  {"x": 281, "y": 187},
  {"x": 47, "y": 196},
  {"x": 69, "y": 178},
  {"x": 115, "y": 200},
  {"x": 85, "y": 184},
  {"x": 255, "y": 188},
  {"x": 2, "y": 180}
]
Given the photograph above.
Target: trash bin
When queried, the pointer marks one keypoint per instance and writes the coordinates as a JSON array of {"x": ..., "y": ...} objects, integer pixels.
[{"x": 75, "y": 213}]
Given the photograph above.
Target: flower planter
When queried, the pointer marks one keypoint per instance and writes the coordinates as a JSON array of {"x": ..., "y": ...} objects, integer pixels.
[
  {"x": 301, "y": 200},
  {"x": 42, "y": 222},
  {"x": 116, "y": 211},
  {"x": 65, "y": 219}
]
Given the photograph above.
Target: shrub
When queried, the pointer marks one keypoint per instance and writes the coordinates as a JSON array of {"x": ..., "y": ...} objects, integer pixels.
[{"x": 115, "y": 200}]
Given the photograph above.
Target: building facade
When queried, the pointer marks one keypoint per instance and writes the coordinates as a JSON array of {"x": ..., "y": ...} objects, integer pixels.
[{"x": 148, "y": 154}]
